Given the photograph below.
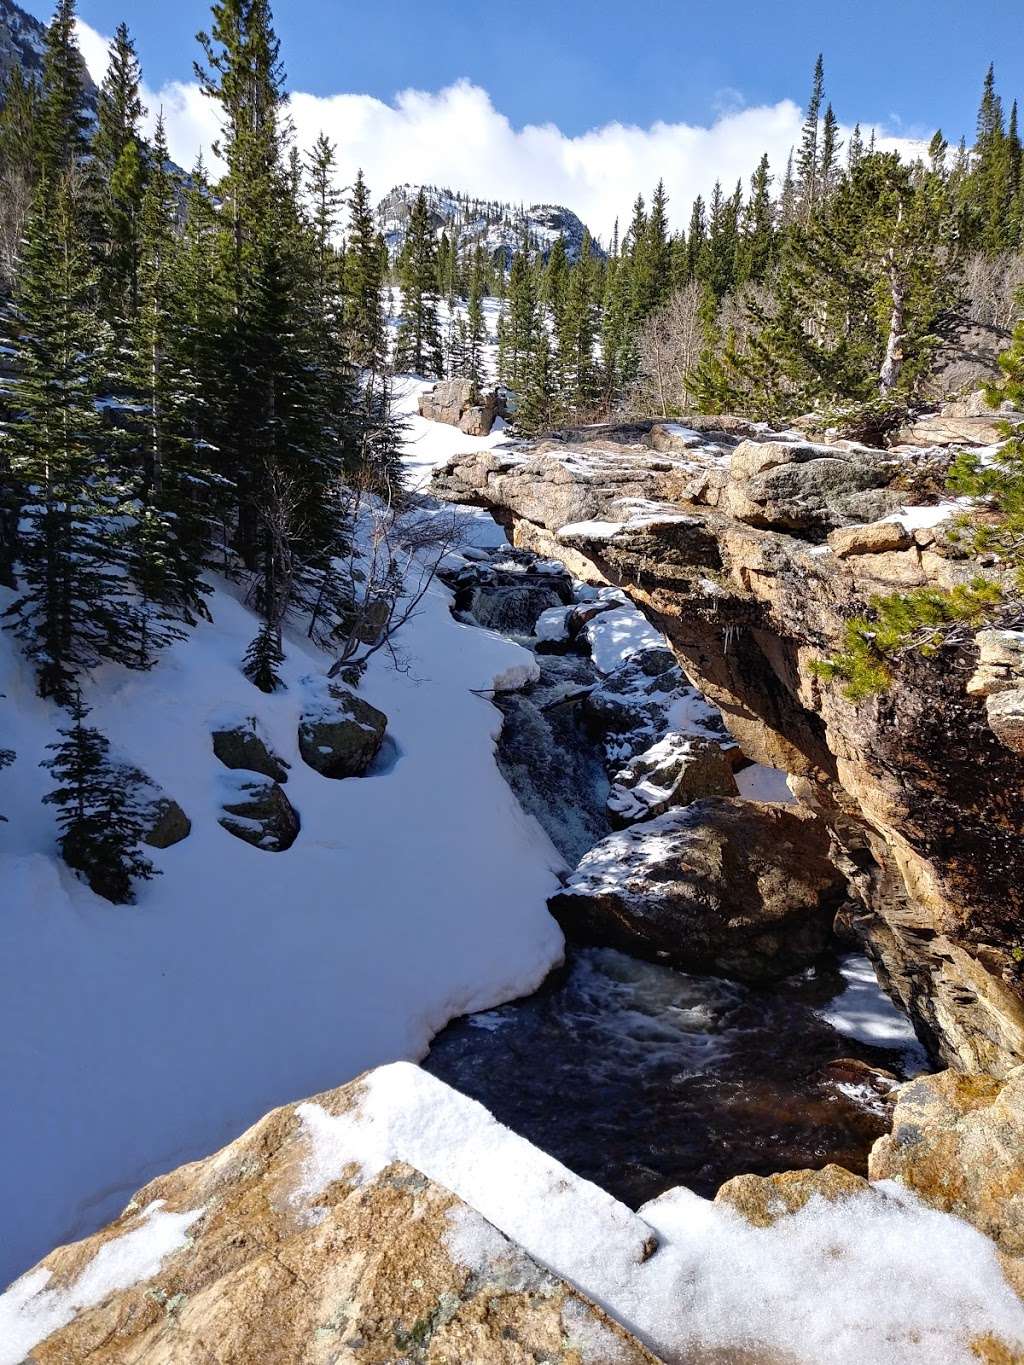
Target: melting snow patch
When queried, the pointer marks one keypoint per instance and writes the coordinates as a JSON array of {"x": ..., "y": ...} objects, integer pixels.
[
  {"x": 553, "y": 624},
  {"x": 619, "y": 632},
  {"x": 925, "y": 518},
  {"x": 590, "y": 530},
  {"x": 29, "y": 1312},
  {"x": 761, "y": 783}
]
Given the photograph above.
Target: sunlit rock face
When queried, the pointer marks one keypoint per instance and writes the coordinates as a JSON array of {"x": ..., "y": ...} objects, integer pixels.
[{"x": 749, "y": 550}]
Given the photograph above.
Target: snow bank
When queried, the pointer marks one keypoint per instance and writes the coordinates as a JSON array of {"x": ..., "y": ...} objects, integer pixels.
[
  {"x": 761, "y": 783},
  {"x": 30, "y": 1312},
  {"x": 620, "y": 632},
  {"x": 880, "y": 1280},
  {"x": 133, "y": 1039}
]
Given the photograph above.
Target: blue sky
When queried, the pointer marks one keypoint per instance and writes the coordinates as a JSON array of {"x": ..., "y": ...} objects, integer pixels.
[
  {"x": 585, "y": 102},
  {"x": 912, "y": 64}
]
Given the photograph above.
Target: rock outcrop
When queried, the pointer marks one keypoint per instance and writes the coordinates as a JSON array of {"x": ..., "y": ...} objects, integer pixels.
[
  {"x": 957, "y": 1142},
  {"x": 453, "y": 401},
  {"x": 726, "y": 546},
  {"x": 340, "y": 734},
  {"x": 723, "y": 886},
  {"x": 244, "y": 1269},
  {"x": 1000, "y": 680}
]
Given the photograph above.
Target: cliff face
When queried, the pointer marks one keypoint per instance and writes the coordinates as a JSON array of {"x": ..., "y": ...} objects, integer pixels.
[{"x": 749, "y": 552}]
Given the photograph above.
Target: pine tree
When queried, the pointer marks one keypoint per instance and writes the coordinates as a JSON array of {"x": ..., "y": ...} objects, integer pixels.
[
  {"x": 578, "y": 335},
  {"x": 808, "y": 162},
  {"x": 264, "y": 657},
  {"x": 695, "y": 238},
  {"x": 364, "y": 280},
  {"x": 476, "y": 328},
  {"x": 75, "y": 604},
  {"x": 522, "y": 319},
  {"x": 418, "y": 346},
  {"x": 538, "y": 407},
  {"x": 19, "y": 164},
  {"x": 120, "y": 166},
  {"x": 100, "y": 826},
  {"x": 757, "y": 249},
  {"x": 63, "y": 120}
]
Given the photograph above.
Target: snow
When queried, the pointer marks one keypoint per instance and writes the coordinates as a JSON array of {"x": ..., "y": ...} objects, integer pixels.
[
  {"x": 135, "y": 1038},
  {"x": 866, "y": 1013},
  {"x": 761, "y": 783},
  {"x": 430, "y": 444},
  {"x": 553, "y": 624},
  {"x": 591, "y": 530},
  {"x": 925, "y": 518},
  {"x": 30, "y": 1312},
  {"x": 620, "y": 632},
  {"x": 879, "y": 1279}
]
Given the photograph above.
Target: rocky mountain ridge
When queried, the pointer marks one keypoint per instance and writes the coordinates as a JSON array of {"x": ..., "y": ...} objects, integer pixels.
[
  {"x": 497, "y": 226},
  {"x": 22, "y": 43}
]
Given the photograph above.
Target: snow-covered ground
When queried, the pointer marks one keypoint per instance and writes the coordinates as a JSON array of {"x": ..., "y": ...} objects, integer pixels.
[{"x": 135, "y": 1038}]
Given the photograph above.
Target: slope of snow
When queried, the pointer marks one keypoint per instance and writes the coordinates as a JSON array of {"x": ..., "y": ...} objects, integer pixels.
[
  {"x": 886, "y": 1281},
  {"x": 135, "y": 1038}
]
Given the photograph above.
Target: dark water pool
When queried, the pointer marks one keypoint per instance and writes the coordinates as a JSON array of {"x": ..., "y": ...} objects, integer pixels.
[{"x": 640, "y": 1078}]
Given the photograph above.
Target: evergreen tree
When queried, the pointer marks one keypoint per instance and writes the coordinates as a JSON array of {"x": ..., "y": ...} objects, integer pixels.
[
  {"x": 63, "y": 120},
  {"x": 418, "y": 347},
  {"x": 757, "y": 248},
  {"x": 538, "y": 408},
  {"x": 101, "y": 827},
  {"x": 364, "y": 280},
  {"x": 808, "y": 162},
  {"x": 476, "y": 328},
  {"x": 578, "y": 334},
  {"x": 19, "y": 164},
  {"x": 120, "y": 167},
  {"x": 75, "y": 606},
  {"x": 522, "y": 320}
]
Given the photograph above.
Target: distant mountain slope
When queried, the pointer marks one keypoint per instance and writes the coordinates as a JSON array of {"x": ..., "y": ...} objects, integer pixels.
[
  {"x": 22, "y": 41},
  {"x": 498, "y": 226}
]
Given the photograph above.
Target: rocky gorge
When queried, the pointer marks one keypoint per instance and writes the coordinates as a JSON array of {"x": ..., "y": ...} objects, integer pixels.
[{"x": 732, "y": 828}]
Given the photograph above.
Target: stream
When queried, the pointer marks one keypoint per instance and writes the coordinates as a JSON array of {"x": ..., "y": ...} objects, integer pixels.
[{"x": 634, "y": 1075}]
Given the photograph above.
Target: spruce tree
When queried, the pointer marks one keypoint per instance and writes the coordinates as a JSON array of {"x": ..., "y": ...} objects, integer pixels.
[
  {"x": 538, "y": 407},
  {"x": 101, "y": 826},
  {"x": 63, "y": 119},
  {"x": 476, "y": 328},
  {"x": 808, "y": 161},
  {"x": 418, "y": 345},
  {"x": 364, "y": 280}
]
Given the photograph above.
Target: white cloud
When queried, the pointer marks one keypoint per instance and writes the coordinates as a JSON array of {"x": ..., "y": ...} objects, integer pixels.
[{"x": 456, "y": 137}]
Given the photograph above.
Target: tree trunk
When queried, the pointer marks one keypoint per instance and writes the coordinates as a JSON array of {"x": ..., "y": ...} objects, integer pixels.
[{"x": 893, "y": 362}]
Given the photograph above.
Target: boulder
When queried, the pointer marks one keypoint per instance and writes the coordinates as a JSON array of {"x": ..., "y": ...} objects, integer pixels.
[
  {"x": 241, "y": 745},
  {"x": 939, "y": 430},
  {"x": 1006, "y": 718},
  {"x": 166, "y": 823},
  {"x": 763, "y": 1200},
  {"x": 877, "y": 537},
  {"x": 675, "y": 771},
  {"x": 340, "y": 733},
  {"x": 237, "y": 1265},
  {"x": 257, "y": 811},
  {"x": 799, "y": 488},
  {"x": 453, "y": 401},
  {"x": 957, "y": 1142},
  {"x": 731, "y": 887}
]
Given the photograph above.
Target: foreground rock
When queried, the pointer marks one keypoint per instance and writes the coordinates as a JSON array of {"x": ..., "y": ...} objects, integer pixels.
[
  {"x": 957, "y": 1142},
  {"x": 739, "y": 553},
  {"x": 389, "y": 1268},
  {"x": 340, "y": 734},
  {"x": 731, "y": 887}
]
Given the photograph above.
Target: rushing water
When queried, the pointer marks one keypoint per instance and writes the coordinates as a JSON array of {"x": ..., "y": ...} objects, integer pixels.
[{"x": 640, "y": 1078}]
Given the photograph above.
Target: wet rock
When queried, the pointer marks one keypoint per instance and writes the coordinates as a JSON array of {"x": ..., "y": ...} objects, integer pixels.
[
  {"x": 242, "y": 746},
  {"x": 257, "y": 811},
  {"x": 763, "y": 1200},
  {"x": 673, "y": 772},
  {"x": 340, "y": 733},
  {"x": 390, "y": 1268},
  {"x": 957, "y": 1142},
  {"x": 510, "y": 592},
  {"x": 738, "y": 888}
]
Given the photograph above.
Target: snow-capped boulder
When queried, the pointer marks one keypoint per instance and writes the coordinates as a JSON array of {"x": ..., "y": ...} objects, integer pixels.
[
  {"x": 340, "y": 733},
  {"x": 732, "y": 887},
  {"x": 241, "y": 745},
  {"x": 165, "y": 823},
  {"x": 257, "y": 811},
  {"x": 763, "y": 1200},
  {"x": 676, "y": 770}
]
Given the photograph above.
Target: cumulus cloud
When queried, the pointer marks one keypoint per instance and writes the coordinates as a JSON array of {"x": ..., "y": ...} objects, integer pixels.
[{"x": 456, "y": 137}]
